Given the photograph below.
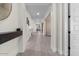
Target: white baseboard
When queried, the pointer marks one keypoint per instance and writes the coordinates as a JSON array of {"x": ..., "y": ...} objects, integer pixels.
[
  {"x": 60, "y": 52},
  {"x": 53, "y": 49}
]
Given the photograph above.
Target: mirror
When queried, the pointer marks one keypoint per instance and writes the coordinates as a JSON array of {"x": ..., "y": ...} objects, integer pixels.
[{"x": 5, "y": 10}]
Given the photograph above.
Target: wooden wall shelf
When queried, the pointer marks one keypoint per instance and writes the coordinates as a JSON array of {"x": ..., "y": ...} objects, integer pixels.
[{"x": 9, "y": 36}]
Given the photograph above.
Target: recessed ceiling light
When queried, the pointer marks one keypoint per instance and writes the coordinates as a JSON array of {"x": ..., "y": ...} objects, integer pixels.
[{"x": 37, "y": 13}]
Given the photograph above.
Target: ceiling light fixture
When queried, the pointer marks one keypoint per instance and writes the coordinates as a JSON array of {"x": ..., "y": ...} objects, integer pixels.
[{"x": 37, "y": 13}]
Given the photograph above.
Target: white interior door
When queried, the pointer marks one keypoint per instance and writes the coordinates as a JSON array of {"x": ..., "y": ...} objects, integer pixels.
[{"x": 74, "y": 40}]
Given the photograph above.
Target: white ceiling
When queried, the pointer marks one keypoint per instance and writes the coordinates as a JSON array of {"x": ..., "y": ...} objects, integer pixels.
[{"x": 34, "y": 8}]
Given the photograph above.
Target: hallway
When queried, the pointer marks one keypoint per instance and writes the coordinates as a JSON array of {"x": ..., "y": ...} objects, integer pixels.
[
  {"x": 29, "y": 18},
  {"x": 38, "y": 45}
]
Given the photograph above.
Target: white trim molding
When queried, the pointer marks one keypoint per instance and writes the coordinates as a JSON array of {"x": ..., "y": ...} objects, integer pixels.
[
  {"x": 59, "y": 29},
  {"x": 53, "y": 28}
]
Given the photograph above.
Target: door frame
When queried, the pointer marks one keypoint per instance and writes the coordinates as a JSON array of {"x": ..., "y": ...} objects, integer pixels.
[
  {"x": 65, "y": 38},
  {"x": 69, "y": 29},
  {"x": 66, "y": 29}
]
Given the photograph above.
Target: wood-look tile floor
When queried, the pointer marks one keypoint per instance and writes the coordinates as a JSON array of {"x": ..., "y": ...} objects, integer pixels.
[{"x": 39, "y": 45}]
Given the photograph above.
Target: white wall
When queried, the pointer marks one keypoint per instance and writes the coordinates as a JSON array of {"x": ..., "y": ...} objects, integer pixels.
[
  {"x": 53, "y": 28},
  {"x": 74, "y": 29},
  {"x": 23, "y": 14},
  {"x": 10, "y": 23},
  {"x": 65, "y": 29},
  {"x": 9, "y": 48},
  {"x": 17, "y": 19},
  {"x": 7, "y": 25},
  {"x": 60, "y": 26}
]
